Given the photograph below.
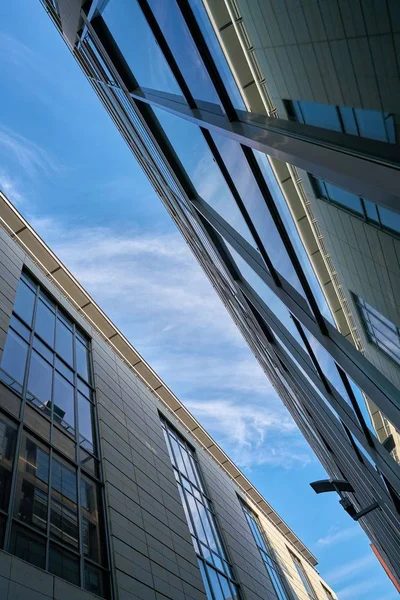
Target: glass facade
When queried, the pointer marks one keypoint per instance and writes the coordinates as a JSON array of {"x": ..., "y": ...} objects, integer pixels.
[
  {"x": 304, "y": 577},
  {"x": 380, "y": 331},
  {"x": 214, "y": 564},
  {"x": 362, "y": 122},
  {"x": 50, "y": 488},
  {"x": 272, "y": 567},
  {"x": 380, "y": 216}
]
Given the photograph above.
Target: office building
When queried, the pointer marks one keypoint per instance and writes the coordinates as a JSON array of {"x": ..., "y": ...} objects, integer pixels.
[
  {"x": 107, "y": 481},
  {"x": 172, "y": 75}
]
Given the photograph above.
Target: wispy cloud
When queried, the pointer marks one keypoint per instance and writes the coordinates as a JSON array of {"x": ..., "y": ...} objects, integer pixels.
[
  {"x": 337, "y": 536},
  {"x": 31, "y": 157},
  {"x": 11, "y": 189},
  {"x": 153, "y": 289},
  {"x": 350, "y": 569},
  {"x": 356, "y": 590}
]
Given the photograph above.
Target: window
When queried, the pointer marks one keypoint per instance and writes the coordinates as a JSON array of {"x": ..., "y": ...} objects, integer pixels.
[
  {"x": 329, "y": 595},
  {"x": 47, "y": 359},
  {"x": 383, "y": 217},
  {"x": 213, "y": 561},
  {"x": 303, "y": 576},
  {"x": 371, "y": 124},
  {"x": 271, "y": 565},
  {"x": 380, "y": 331}
]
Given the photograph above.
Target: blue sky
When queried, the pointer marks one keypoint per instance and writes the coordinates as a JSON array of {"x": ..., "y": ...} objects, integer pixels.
[{"x": 64, "y": 165}]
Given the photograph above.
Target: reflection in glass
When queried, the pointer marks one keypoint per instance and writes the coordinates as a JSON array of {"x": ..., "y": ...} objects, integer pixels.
[
  {"x": 13, "y": 361},
  {"x": 27, "y": 545},
  {"x": 82, "y": 360},
  {"x": 304, "y": 577},
  {"x": 32, "y": 484},
  {"x": 8, "y": 436},
  {"x": 85, "y": 414},
  {"x": 24, "y": 302},
  {"x": 92, "y": 546},
  {"x": 64, "y": 341},
  {"x": 94, "y": 580},
  {"x": 45, "y": 322},
  {"x": 63, "y": 403},
  {"x": 63, "y": 564},
  {"x": 40, "y": 381},
  {"x": 136, "y": 42},
  {"x": 196, "y": 158},
  {"x": 63, "y": 514}
]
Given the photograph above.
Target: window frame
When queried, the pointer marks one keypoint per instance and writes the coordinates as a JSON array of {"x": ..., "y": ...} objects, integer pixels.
[{"x": 298, "y": 563}]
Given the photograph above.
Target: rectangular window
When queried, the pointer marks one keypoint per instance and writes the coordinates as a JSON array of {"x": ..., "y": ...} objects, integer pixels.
[
  {"x": 47, "y": 360},
  {"x": 272, "y": 567},
  {"x": 380, "y": 331},
  {"x": 303, "y": 576},
  {"x": 213, "y": 561},
  {"x": 371, "y": 124}
]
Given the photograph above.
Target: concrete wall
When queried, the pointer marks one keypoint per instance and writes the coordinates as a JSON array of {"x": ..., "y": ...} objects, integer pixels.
[{"x": 152, "y": 556}]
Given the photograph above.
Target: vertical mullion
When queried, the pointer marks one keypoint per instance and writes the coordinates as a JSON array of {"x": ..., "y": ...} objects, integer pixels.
[
  {"x": 49, "y": 496},
  {"x": 14, "y": 475}
]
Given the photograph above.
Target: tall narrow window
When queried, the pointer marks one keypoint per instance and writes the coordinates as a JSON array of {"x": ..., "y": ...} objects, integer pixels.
[
  {"x": 271, "y": 565},
  {"x": 303, "y": 576},
  {"x": 213, "y": 561}
]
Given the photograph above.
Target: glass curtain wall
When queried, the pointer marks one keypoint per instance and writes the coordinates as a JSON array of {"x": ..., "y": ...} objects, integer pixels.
[
  {"x": 50, "y": 488},
  {"x": 214, "y": 564}
]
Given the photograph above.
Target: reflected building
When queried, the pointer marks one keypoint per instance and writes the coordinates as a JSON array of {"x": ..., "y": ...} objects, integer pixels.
[
  {"x": 269, "y": 132},
  {"x": 124, "y": 494}
]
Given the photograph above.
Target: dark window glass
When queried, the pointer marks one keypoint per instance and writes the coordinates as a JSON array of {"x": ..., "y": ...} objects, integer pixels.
[
  {"x": 63, "y": 514},
  {"x": 381, "y": 332},
  {"x": 32, "y": 484},
  {"x": 82, "y": 360},
  {"x": 371, "y": 124},
  {"x": 136, "y": 41},
  {"x": 88, "y": 462},
  {"x": 64, "y": 341},
  {"x": 371, "y": 210},
  {"x": 8, "y": 436},
  {"x": 184, "y": 50},
  {"x": 85, "y": 414},
  {"x": 349, "y": 120},
  {"x": 320, "y": 115},
  {"x": 63, "y": 564},
  {"x": 346, "y": 199},
  {"x": 28, "y": 546},
  {"x": 40, "y": 382},
  {"x": 389, "y": 218},
  {"x": 45, "y": 322},
  {"x": 24, "y": 302},
  {"x": 13, "y": 361},
  {"x": 94, "y": 580},
  {"x": 91, "y": 535},
  {"x": 63, "y": 403}
]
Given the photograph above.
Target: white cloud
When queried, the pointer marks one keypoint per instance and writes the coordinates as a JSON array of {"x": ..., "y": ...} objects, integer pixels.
[
  {"x": 11, "y": 189},
  {"x": 337, "y": 536},
  {"x": 350, "y": 569},
  {"x": 31, "y": 157},
  {"x": 152, "y": 287},
  {"x": 356, "y": 590}
]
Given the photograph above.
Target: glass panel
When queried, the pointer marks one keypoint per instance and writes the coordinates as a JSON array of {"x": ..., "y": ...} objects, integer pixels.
[
  {"x": 390, "y": 128},
  {"x": 88, "y": 462},
  {"x": 63, "y": 442},
  {"x": 205, "y": 580},
  {"x": 32, "y": 485},
  {"x": 304, "y": 577},
  {"x": 64, "y": 341},
  {"x": 64, "y": 370},
  {"x": 85, "y": 414},
  {"x": 136, "y": 42},
  {"x": 63, "y": 564},
  {"x": 389, "y": 218},
  {"x": 320, "y": 115},
  {"x": 371, "y": 210},
  {"x": 214, "y": 582},
  {"x": 196, "y": 158},
  {"x": 63, "y": 517},
  {"x": 45, "y": 322},
  {"x": 63, "y": 403},
  {"x": 20, "y": 328},
  {"x": 8, "y": 436},
  {"x": 92, "y": 542},
  {"x": 13, "y": 361},
  {"x": 28, "y": 546},
  {"x": 346, "y": 199},
  {"x": 184, "y": 50},
  {"x": 349, "y": 122},
  {"x": 82, "y": 360},
  {"x": 43, "y": 350},
  {"x": 94, "y": 580},
  {"x": 217, "y": 53},
  {"x": 85, "y": 389},
  {"x": 24, "y": 302},
  {"x": 40, "y": 382},
  {"x": 371, "y": 124}
]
